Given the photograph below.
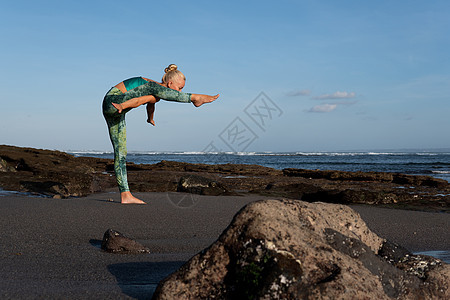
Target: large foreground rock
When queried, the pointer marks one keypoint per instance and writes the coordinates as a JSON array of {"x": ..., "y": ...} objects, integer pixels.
[{"x": 288, "y": 249}]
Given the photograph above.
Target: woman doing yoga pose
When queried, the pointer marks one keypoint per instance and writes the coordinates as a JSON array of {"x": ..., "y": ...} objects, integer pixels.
[{"x": 132, "y": 93}]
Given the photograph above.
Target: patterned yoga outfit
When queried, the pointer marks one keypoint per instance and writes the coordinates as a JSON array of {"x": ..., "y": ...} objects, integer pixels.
[{"x": 136, "y": 87}]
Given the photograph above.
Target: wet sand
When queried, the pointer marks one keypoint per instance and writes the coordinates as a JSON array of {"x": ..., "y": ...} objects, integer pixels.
[{"x": 50, "y": 248}]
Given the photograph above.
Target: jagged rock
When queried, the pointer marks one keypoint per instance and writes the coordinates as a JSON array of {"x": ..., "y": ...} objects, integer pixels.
[
  {"x": 114, "y": 241},
  {"x": 362, "y": 192},
  {"x": 393, "y": 253},
  {"x": 287, "y": 249},
  {"x": 52, "y": 173},
  {"x": 5, "y": 167},
  {"x": 200, "y": 185},
  {"x": 339, "y": 175},
  {"x": 338, "y": 194},
  {"x": 417, "y": 180},
  {"x": 228, "y": 169}
]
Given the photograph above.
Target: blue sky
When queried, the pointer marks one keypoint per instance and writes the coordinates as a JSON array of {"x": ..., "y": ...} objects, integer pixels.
[{"x": 338, "y": 75}]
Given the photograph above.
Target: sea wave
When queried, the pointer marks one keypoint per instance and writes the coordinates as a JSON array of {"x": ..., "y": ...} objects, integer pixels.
[
  {"x": 87, "y": 152},
  {"x": 440, "y": 172},
  {"x": 264, "y": 153}
]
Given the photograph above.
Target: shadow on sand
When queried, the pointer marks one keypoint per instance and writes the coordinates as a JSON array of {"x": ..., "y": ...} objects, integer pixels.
[{"x": 140, "y": 279}]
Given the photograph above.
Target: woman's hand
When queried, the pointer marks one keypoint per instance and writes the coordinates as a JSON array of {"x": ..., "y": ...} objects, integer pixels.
[{"x": 118, "y": 107}]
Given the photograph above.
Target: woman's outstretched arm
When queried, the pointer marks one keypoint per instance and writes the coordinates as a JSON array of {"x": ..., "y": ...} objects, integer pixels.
[{"x": 169, "y": 94}]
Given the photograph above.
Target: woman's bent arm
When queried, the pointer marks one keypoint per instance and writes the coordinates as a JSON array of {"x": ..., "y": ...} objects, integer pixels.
[{"x": 150, "y": 113}]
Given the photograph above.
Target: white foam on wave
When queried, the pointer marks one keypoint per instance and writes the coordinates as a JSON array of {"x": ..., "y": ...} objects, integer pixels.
[
  {"x": 189, "y": 153},
  {"x": 245, "y": 153},
  {"x": 440, "y": 172},
  {"x": 385, "y": 153},
  {"x": 87, "y": 152},
  {"x": 329, "y": 153}
]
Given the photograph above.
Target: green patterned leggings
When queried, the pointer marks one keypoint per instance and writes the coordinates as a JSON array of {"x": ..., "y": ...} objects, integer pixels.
[{"x": 116, "y": 122}]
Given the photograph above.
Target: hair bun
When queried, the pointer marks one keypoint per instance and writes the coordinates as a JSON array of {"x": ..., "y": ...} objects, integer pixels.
[
  {"x": 171, "y": 67},
  {"x": 171, "y": 73}
]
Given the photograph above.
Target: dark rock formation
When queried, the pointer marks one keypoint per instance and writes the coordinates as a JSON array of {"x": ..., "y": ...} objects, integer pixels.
[
  {"x": 200, "y": 185},
  {"x": 422, "y": 197},
  {"x": 51, "y": 173},
  {"x": 226, "y": 169},
  {"x": 115, "y": 242},
  {"x": 287, "y": 249},
  {"x": 397, "y": 178}
]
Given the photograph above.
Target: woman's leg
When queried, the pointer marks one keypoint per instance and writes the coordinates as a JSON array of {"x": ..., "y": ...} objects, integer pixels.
[
  {"x": 117, "y": 133},
  {"x": 118, "y": 136}
]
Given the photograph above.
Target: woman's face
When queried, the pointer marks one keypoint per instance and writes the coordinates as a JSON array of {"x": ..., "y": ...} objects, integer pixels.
[{"x": 177, "y": 84}]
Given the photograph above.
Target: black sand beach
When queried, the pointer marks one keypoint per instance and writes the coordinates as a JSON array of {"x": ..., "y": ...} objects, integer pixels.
[{"x": 50, "y": 248}]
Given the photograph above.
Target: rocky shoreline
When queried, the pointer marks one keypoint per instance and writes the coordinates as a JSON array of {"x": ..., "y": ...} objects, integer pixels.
[{"x": 61, "y": 175}]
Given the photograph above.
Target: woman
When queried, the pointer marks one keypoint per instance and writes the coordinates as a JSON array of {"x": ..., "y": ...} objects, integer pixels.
[{"x": 132, "y": 93}]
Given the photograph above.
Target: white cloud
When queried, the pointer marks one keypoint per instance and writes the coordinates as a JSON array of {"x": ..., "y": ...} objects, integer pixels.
[
  {"x": 323, "y": 108},
  {"x": 329, "y": 107},
  {"x": 336, "y": 95},
  {"x": 299, "y": 93}
]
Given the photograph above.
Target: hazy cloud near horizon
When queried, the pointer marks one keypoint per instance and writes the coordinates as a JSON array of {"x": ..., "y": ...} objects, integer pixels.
[
  {"x": 299, "y": 93},
  {"x": 327, "y": 107},
  {"x": 336, "y": 95},
  {"x": 323, "y": 108}
]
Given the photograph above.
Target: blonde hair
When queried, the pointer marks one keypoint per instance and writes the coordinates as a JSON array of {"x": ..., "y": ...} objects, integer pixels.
[{"x": 172, "y": 72}]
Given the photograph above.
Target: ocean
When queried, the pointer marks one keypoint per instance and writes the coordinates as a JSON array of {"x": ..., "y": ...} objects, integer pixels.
[{"x": 434, "y": 163}]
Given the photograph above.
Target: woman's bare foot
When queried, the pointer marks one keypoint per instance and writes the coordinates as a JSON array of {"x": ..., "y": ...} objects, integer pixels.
[
  {"x": 199, "y": 99},
  {"x": 127, "y": 198},
  {"x": 118, "y": 107}
]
